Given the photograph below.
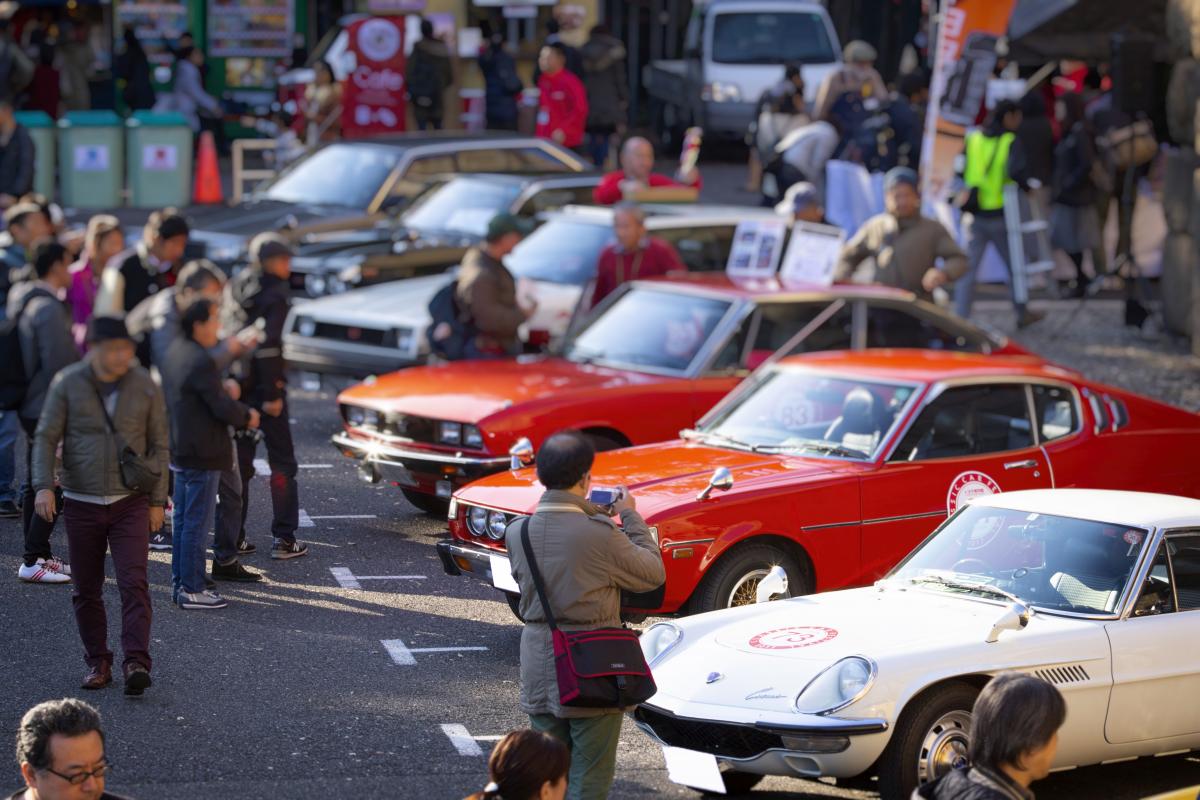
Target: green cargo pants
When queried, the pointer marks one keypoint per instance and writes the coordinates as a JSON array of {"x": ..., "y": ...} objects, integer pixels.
[{"x": 593, "y": 743}]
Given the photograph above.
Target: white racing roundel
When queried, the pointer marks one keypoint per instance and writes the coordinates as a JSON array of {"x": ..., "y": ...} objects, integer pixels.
[
  {"x": 379, "y": 39},
  {"x": 967, "y": 486},
  {"x": 792, "y": 638}
]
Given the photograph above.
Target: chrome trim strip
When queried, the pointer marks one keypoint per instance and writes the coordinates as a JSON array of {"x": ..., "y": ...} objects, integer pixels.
[
  {"x": 828, "y": 525},
  {"x": 903, "y": 517},
  {"x": 381, "y": 454},
  {"x": 689, "y": 542}
]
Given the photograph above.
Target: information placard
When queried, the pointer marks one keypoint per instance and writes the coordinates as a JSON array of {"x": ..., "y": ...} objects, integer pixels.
[
  {"x": 757, "y": 245},
  {"x": 812, "y": 255}
]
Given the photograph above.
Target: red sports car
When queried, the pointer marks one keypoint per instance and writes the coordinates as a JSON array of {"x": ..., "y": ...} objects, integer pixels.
[
  {"x": 835, "y": 465},
  {"x": 652, "y": 359}
]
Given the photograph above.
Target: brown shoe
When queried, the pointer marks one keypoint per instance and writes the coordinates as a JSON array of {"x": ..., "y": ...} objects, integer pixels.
[
  {"x": 137, "y": 679},
  {"x": 98, "y": 677}
]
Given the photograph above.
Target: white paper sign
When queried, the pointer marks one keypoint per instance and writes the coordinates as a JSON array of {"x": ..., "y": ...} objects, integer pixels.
[
  {"x": 697, "y": 770},
  {"x": 91, "y": 157},
  {"x": 502, "y": 577},
  {"x": 756, "y": 248},
  {"x": 160, "y": 157},
  {"x": 812, "y": 255}
]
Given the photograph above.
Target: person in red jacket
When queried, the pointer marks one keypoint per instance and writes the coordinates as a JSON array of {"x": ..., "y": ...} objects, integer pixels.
[
  {"x": 636, "y": 173},
  {"x": 633, "y": 255},
  {"x": 562, "y": 104}
]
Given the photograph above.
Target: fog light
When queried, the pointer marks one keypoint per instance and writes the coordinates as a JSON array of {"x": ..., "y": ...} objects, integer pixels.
[{"x": 816, "y": 744}]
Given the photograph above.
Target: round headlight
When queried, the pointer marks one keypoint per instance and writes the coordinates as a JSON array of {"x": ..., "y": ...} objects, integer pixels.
[
  {"x": 315, "y": 285},
  {"x": 477, "y": 519},
  {"x": 355, "y": 415},
  {"x": 371, "y": 418},
  {"x": 658, "y": 639},
  {"x": 335, "y": 285},
  {"x": 306, "y": 326},
  {"x": 449, "y": 432},
  {"x": 836, "y": 687},
  {"x": 497, "y": 522}
]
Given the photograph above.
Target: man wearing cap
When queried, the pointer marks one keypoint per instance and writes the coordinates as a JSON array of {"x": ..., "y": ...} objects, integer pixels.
[
  {"x": 487, "y": 291},
  {"x": 47, "y": 345},
  {"x": 101, "y": 512},
  {"x": 904, "y": 245},
  {"x": 857, "y": 76},
  {"x": 259, "y": 296},
  {"x": 802, "y": 203},
  {"x": 635, "y": 254}
]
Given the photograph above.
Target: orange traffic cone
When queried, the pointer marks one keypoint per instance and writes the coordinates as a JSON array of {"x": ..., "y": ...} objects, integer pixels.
[{"x": 208, "y": 176}]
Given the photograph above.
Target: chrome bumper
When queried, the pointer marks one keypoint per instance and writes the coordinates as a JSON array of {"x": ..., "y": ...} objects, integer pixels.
[{"x": 398, "y": 464}]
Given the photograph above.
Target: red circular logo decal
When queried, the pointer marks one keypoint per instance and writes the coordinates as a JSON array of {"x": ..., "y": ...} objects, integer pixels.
[
  {"x": 967, "y": 486},
  {"x": 792, "y": 638}
]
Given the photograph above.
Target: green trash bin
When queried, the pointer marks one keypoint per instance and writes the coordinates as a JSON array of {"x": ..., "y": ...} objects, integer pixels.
[
  {"x": 159, "y": 156},
  {"x": 91, "y": 157},
  {"x": 41, "y": 130}
]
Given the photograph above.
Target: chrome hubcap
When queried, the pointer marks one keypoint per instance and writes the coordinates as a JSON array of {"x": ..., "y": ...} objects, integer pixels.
[
  {"x": 744, "y": 590},
  {"x": 945, "y": 746}
]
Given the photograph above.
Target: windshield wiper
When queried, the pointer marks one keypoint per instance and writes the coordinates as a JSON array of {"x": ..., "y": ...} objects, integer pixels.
[
  {"x": 968, "y": 586},
  {"x": 823, "y": 447},
  {"x": 711, "y": 436}
]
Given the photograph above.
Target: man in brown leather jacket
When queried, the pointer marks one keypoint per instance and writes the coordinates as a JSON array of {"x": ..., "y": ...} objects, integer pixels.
[{"x": 487, "y": 292}]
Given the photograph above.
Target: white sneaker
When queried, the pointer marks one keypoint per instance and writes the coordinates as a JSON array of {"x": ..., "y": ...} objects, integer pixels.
[
  {"x": 58, "y": 565},
  {"x": 40, "y": 572},
  {"x": 201, "y": 600}
]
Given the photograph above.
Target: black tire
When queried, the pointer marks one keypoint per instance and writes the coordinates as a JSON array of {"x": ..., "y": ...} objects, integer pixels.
[
  {"x": 939, "y": 717},
  {"x": 514, "y": 602},
  {"x": 735, "y": 572},
  {"x": 433, "y": 506}
]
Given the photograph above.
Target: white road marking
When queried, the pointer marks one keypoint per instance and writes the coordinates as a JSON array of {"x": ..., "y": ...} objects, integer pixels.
[
  {"x": 495, "y": 738},
  {"x": 316, "y": 466},
  {"x": 261, "y": 467},
  {"x": 348, "y": 580},
  {"x": 343, "y": 516},
  {"x": 462, "y": 740},
  {"x": 306, "y": 520},
  {"x": 402, "y": 654}
]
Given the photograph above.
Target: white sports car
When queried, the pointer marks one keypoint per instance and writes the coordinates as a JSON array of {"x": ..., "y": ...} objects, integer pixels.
[{"x": 1097, "y": 592}]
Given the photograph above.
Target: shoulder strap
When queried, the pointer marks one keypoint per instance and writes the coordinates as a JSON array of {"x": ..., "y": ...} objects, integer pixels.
[
  {"x": 103, "y": 408},
  {"x": 34, "y": 294},
  {"x": 537, "y": 574}
]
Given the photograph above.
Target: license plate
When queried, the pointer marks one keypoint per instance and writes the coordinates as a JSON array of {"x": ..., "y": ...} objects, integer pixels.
[
  {"x": 502, "y": 577},
  {"x": 697, "y": 770},
  {"x": 444, "y": 489}
]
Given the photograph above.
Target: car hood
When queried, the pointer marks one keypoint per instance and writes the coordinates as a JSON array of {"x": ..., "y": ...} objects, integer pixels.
[
  {"x": 471, "y": 391},
  {"x": 766, "y": 653},
  {"x": 665, "y": 478},
  {"x": 253, "y": 217},
  {"x": 402, "y": 303}
]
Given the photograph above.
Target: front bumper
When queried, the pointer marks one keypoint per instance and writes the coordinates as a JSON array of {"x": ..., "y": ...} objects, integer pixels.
[
  {"x": 328, "y": 357},
  {"x": 461, "y": 558},
  {"x": 727, "y": 120},
  {"x": 815, "y": 747},
  {"x": 429, "y": 471}
]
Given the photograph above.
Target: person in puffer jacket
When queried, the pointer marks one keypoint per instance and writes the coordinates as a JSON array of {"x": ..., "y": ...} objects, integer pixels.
[
  {"x": 1014, "y": 737},
  {"x": 603, "y": 58}
]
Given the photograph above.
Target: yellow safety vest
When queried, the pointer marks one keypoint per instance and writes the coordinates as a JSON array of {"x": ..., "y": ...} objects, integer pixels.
[{"x": 987, "y": 168}]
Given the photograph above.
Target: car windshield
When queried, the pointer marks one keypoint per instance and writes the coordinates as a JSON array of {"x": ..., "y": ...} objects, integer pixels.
[
  {"x": 561, "y": 251},
  {"x": 649, "y": 328},
  {"x": 770, "y": 37},
  {"x": 338, "y": 174},
  {"x": 1051, "y": 562},
  {"x": 464, "y": 205},
  {"x": 787, "y": 410}
]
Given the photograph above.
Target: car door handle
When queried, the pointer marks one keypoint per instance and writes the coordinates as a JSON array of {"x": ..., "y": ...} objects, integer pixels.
[{"x": 1027, "y": 464}]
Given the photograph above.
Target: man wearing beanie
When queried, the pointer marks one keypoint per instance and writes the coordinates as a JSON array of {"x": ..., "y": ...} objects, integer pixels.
[
  {"x": 904, "y": 244},
  {"x": 97, "y": 409}
]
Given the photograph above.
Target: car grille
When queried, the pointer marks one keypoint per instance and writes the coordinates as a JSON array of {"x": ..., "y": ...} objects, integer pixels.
[
  {"x": 417, "y": 429},
  {"x": 355, "y": 335},
  {"x": 717, "y": 738}
]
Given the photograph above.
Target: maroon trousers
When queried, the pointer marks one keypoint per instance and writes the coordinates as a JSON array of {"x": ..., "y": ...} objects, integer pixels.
[{"x": 123, "y": 528}]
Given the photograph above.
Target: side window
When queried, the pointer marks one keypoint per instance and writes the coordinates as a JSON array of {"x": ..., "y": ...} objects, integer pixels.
[
  {"x": 729, "y": 358},
  {"x": 888, "y": 326},
  {"x": 552, "y": 199},
  {"x": 701, "y": 249},
  {"x": 779, "y": 322},
  {"x": 428, "y": 166},
  {"x": 966, "y": 421},
  {"x": 534, "y": 159},
  {"x": 1057, "y": 415},
  {"x": 484, "y": 161},
  {"x": 1185, "y": 569},
  {"x": 1156, "y": 595}
]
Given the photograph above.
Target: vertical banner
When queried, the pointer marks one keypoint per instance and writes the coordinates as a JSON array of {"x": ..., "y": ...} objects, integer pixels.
[
  {"x": 373, "y": 94},
  {"x": 963, "y": 65}
]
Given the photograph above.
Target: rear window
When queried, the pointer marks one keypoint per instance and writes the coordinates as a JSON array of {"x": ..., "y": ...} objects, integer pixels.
[{"x": 770, "y": 37}]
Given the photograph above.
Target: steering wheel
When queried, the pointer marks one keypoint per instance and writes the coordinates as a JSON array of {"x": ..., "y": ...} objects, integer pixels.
[{"x": 970, "y": 565}]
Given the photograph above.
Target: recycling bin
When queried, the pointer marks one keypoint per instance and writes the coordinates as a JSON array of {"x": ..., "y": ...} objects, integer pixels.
[
  {"x": 91, "y": 157},
  {"x": 41, "y": 130},
  {"x": 158, "y": 151}
]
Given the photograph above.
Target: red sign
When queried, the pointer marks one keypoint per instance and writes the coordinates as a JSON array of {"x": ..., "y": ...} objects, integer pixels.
[{"x": 373, "y": 94}]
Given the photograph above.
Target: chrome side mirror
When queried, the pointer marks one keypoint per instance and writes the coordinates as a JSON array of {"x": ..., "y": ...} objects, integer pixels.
[
  {"x": 773, "y": 584},
  {"x": 1014, "y": 618},
  {"x": 721, "y": 480},
  {"x": 521, "y": 453}
]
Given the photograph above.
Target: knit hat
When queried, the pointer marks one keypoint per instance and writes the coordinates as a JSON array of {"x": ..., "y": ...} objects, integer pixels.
[
  {"x": 103, "y": 329},
  {"x": 898, "y": 175}
]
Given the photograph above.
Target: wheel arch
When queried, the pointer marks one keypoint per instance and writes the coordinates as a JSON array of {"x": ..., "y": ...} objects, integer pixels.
[
  {"x": 787, "y": 544},
  {"x": 606, "y": 432}
]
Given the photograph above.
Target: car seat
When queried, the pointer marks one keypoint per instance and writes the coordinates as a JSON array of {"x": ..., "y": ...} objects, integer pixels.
[
  {"x": 1097, "y": 574},
  {"x": 858, "y": 425}
]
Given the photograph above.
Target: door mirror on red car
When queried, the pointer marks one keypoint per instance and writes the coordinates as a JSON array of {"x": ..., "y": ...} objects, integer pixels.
[{"x": 721, "y": 480}]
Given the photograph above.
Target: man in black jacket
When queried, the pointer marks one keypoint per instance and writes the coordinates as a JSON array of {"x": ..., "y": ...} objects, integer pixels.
[
  {"x": 151, "y": 265},
  {"x": 16, "y": 156},
  {"x": 201, "y": 411},
  {"x": 260, "y": 296}
]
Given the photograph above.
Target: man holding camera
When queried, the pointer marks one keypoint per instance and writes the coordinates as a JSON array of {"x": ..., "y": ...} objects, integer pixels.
[{"x": 585, "y": 561}]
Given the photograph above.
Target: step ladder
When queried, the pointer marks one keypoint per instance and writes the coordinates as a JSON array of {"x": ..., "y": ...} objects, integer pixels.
[{"x": 1029, "y": 247}]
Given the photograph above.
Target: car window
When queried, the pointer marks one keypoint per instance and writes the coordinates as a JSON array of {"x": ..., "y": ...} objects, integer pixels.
[
  {"x": 554, "y": 198},
  {"x": 701, "y": 249},
  {"x": 462, "y": 205},
  {"x": 534, "y": 159},
  {"x": 779, "y": 322},
  {"x": 428, "y": 166},
  {"x": 361, "y": 171},
  {"x": 730, "y": 356},
  {"x": 969, "y": 420},
  {"x": 889, "y": 326},
  {"x": 563, "y": 251},
  {"x": 1057, "y": 415},
  {"x": 1184, "y": 549},
  {"x": 1157, "y": 595},
  {"x": 1100, "y": 415},
  {"x": 490, "y": 160},
  {"x": 770, "y": 37}
]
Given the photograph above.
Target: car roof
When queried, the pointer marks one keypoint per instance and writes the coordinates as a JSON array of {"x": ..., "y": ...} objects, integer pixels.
[
  {"x": 773, "y": 288},
  {"x": 1136, "y": 509},
  {"x": 423, "y": 138},
  {"x": 669, "y": 214},
  {"x": 929, "y": 366}
]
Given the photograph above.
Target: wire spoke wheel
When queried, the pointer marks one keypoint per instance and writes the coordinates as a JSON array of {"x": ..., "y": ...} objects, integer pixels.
[{"x": 746, "y": 588}]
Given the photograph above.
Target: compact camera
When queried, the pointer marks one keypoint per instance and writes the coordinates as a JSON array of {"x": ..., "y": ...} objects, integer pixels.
[{"x": 605, "y": 498}]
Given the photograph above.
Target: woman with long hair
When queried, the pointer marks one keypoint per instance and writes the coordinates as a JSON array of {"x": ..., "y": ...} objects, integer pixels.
[{"x": 527, "y": 765}]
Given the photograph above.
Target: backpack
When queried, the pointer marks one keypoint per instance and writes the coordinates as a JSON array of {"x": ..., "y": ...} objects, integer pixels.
[
  {"x": 445, "y": 314},
  {"x": 14, "y": 383},
  {"x": 423, "y": 80}
]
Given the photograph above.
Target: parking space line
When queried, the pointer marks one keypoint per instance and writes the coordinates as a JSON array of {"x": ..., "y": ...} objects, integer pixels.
[
  {"x": 342, "y": 516},
  {"x": 461, "y": 738},
  {"x": 261, "y": 467},
  {"x": 402, "y": 654},
  {"x": 348, "y": 580}
]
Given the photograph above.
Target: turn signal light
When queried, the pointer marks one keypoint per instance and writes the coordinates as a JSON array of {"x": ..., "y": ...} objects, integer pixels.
[{"x": 463, "y": 564}]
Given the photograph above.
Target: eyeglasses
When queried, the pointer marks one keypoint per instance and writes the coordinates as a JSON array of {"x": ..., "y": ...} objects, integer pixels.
[{"x": 80, "y": 777}]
